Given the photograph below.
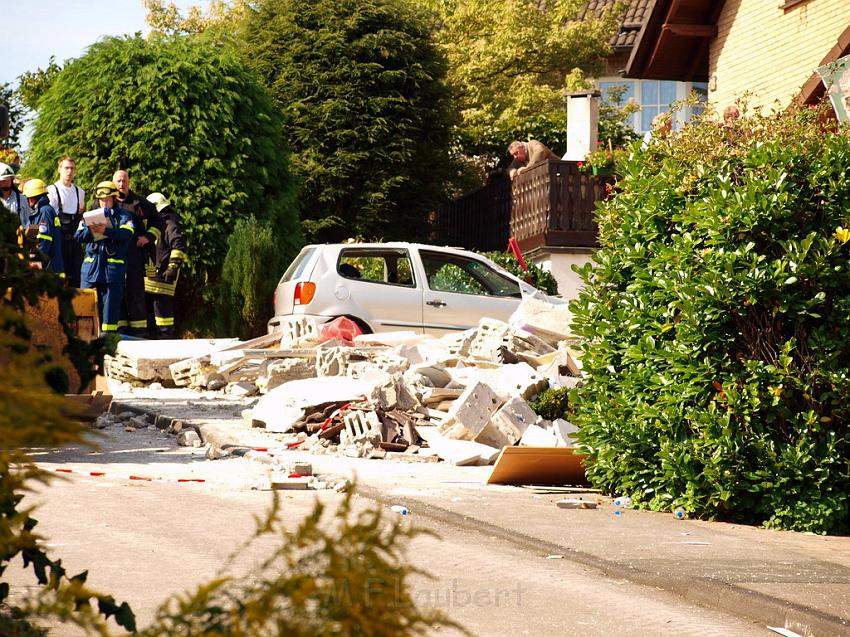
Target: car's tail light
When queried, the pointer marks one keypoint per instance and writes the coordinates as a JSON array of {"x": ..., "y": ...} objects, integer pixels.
[{"x": 304, "y": 293}]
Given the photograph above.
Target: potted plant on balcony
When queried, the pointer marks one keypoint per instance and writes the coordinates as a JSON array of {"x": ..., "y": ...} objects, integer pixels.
[{"x": 603, "y": 160}]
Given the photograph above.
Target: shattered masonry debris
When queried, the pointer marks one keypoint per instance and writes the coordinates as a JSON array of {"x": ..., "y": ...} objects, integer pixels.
[{"x": 401, "y": 395}]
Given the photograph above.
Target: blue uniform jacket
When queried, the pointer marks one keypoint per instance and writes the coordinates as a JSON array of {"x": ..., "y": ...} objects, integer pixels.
[
  {"x": 106, "y": 258},
  {"x": 49, "y": 234}
]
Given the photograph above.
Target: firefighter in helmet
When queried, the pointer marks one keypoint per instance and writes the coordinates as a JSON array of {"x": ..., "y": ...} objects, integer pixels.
[{"x": 161, "y": 275}]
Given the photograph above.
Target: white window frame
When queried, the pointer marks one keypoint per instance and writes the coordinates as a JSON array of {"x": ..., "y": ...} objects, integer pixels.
[{"x": 683, "y": 89}]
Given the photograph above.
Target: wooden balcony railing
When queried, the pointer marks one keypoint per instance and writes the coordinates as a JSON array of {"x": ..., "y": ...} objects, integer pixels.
[{"x": 550, "y": 205}]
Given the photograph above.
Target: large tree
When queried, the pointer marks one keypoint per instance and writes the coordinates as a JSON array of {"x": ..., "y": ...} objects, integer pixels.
[
  {"x": 186, "y": 118},
  {"x": 367, "y": 114},
  {"x": 512, "y": 61}
]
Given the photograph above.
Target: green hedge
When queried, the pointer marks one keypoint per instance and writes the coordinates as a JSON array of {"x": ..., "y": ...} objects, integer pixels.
[{"x": 715, "y": 319}]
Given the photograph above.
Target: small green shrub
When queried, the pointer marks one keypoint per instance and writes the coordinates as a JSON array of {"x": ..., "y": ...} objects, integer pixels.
[
  {"x": 249, "y": 277},
  {"x": 715, "y": 321},
  {"x": 553, "y": 403}
]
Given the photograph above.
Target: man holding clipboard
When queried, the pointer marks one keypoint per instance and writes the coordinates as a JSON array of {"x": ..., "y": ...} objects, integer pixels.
[{"x": 106, "y": 234}]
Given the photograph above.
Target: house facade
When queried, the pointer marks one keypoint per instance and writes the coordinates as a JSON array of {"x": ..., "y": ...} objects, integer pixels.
[{"x": 767, "y": 49}]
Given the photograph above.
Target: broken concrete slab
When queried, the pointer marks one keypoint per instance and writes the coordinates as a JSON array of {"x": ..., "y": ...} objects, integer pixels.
[
  {"x": 457, "y": 452},
  {"x": 276, "y": 372},
  {"x": 537, "y": 436},
  {"x": 564, "y": 432},
  {"x": 506, "y": 381},
  {"x": 545, "y": 316},
  {"x": 470, "y": 413},
  {"x": 150, "y": 360},
  {"x": 508, "y": 424},
  {"x": 279, "y": 409}
]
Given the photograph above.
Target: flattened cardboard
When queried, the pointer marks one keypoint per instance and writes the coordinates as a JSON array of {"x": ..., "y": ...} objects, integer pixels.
[{"x": 538, "y": 465}]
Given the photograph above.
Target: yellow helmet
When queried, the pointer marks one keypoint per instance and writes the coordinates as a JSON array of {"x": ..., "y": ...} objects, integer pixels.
[
  {"x": 106, "y": 189},
  {"x": 34, "y": 188}
]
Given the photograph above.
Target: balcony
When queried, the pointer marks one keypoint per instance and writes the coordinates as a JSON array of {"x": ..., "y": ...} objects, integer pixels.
[{"x": 549, "y": 206}]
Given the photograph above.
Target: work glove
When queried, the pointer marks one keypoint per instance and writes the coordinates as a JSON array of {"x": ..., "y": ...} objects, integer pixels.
[{"x": 171, "y": 272}]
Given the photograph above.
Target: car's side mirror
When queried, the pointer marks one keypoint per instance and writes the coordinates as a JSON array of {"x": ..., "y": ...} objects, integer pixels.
[{"x": 4, "y": 121}]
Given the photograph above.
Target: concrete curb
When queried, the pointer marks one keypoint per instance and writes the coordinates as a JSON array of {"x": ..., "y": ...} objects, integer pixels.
[{"x": 712, "y": 594}]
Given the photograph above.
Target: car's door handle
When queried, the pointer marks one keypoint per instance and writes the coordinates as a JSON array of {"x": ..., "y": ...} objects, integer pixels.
[{"x": 436, "y": 303}]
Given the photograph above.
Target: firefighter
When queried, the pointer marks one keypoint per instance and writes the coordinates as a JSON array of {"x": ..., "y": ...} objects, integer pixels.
[
  {"x": 148, "y": 225},
  {"x": 105, "y": 262},
  {"x": 163, "y": 272},
  {"x": 43, "y": 228}
]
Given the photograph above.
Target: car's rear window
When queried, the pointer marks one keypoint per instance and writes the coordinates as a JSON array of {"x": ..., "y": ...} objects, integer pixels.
[{"x": 296, "y": 268}]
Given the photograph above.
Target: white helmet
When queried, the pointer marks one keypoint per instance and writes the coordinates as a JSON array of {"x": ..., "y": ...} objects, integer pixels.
[
  {"x": 158, "y": 200},
  {"x": 6, "y": 171}
]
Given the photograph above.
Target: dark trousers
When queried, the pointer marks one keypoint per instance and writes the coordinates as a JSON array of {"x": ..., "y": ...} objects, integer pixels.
[
  {"x": 72, "y": 255},
  {"x": 160, "y": 315},
  {"x": 134, "y": 315}
]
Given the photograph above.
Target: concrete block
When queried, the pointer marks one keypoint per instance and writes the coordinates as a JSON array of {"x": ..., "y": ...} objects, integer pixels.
[
  {"x": 394, "y": 394},
  {"x": 189, "y": 438},
  {"x": 242, "y": 388},
  {"x": 564, "y": 432},
  {"x": 488, "y": 339},
  {"x": 389, "y": 363},
  {"x": 283, "y": 370},
  {"x": 296, "y": 331},
  {"x": 332, "y": 361},
  {"x": 470, "y": 413},
  {"x": 508, "y": 424},
  {"x": 457, "y": 452},
  {"x": 282, "y": 481},
  {"x": 361, "y": 427},
  {"x": 536, "y": 436},
  {"x": 507, "y": 381}
]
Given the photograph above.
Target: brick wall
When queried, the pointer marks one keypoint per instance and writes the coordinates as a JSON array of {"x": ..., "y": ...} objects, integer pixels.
[{"x": 769, "y": 51}]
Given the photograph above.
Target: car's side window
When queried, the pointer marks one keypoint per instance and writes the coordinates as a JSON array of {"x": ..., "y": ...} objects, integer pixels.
[
  {"x": 388, "y": 266},
  {"x": 454, "y": 273}
]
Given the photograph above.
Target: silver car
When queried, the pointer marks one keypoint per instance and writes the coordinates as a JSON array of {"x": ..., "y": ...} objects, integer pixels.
[{"x": 385, "y": 287}]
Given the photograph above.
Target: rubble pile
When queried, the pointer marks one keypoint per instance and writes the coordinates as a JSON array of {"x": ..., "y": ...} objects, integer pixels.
[{"x": 461, "y": 398}]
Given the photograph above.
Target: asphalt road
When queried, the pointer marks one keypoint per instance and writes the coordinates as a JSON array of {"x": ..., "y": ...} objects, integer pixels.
[{"x": 144, "y": 539}]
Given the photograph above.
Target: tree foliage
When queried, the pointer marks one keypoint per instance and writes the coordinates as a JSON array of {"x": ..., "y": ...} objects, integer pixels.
[
  {"x": 186, "y": 118},
  {"x": 32, "y": 414},
  {"x": 714, "y": 320},
  {"x": 247, "y": 290},
  {"x": 359, "y": 85},
  {"x": 511, "y": 63}
]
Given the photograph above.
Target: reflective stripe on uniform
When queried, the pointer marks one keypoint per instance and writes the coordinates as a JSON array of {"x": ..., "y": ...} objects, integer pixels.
[
  {"x": 88, "y": 260},
  {"x": 129, "y": 226},
  {"x": 159, "y": 287},
  {"x": 178, "y": 254},
  {"x": 155, "y": 232},
  {"x": 46, "y": 237},
  {"x": 115, "y": 260},
  {"x": 162, "y": 321},
  {"x": 108, "y": 327},
  {"x": 61, "y": 275},
  {"x": 137, "y": 324},
  {"x": 56, "y": 222},
  {"x": 122, "y": 323}
]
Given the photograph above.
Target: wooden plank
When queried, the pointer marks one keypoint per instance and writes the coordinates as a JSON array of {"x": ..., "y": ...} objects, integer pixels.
[{"x": 538, "y": 465}]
